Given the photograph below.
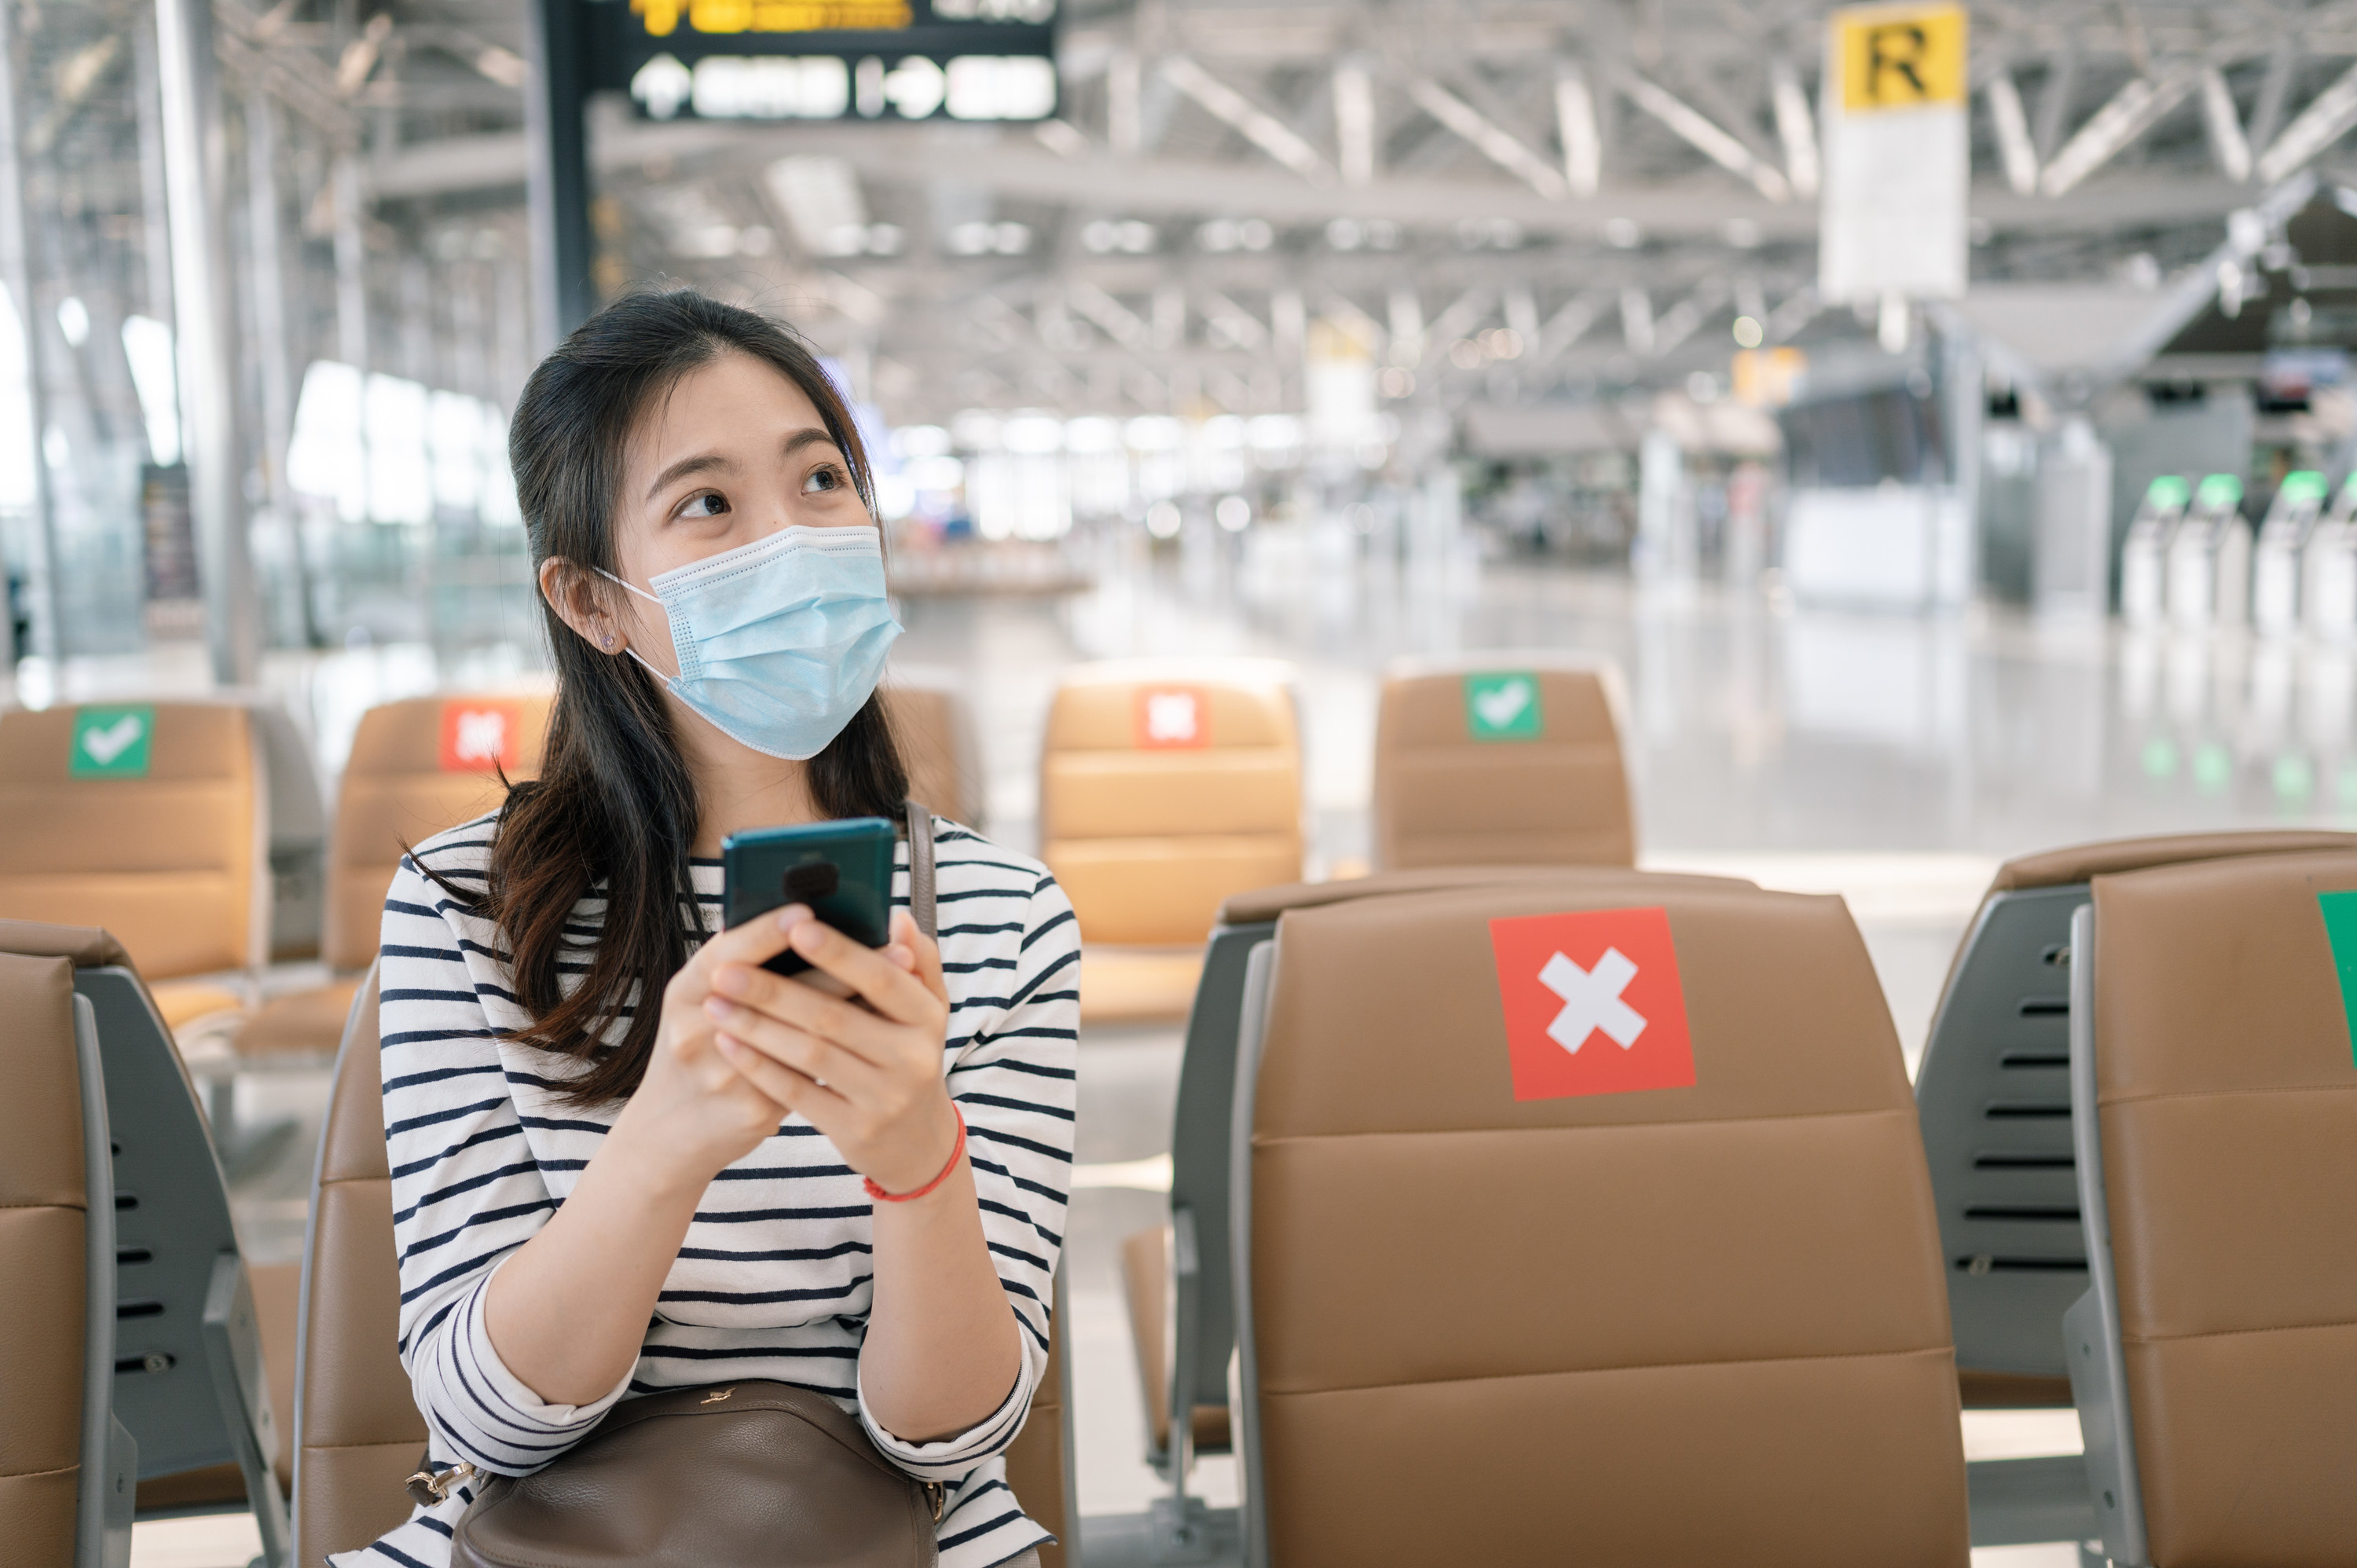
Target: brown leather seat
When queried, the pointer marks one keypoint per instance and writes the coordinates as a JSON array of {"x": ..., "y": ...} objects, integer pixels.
[
  {"x": 936, "y": 737},
  {"x": 357, "y": 1434},
  {"x": 153, "y": 1145},
  {"x": 1199, "y": 1144},
  {"x": 2226, "y": 1099},
  {"x": 1994, "y": 1108},
  {"x": 1687, "y": 1325},
  {"x": 161, "y": 837},
  {"x": 1163, "y": 789},
  {"x": 1507, "y": 759},
  {"x": 43, "y": 1210},
  {"x": 418, "y": 766}
]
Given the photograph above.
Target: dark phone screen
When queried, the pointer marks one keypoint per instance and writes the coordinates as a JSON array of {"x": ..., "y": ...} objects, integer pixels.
[{"x": 843, "y": 870}]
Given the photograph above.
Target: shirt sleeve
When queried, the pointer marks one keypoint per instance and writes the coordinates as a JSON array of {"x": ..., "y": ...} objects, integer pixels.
[
  {"x": 1013, "y": 1078},
  {"x": 466, "y": 1189}
]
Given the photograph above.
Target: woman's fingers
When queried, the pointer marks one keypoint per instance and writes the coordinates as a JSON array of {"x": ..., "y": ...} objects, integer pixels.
[
  {"x": 924, "y": 952},
  {"x": 892, "y": 991},
  {"x": 818, "y": 1103},
  {"x": 754, "y": 942},
  {"x": 794, "y": 1002},
  {"x": 808, "y": 1054}
]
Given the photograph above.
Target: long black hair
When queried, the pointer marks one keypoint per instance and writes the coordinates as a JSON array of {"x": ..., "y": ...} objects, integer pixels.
[{"x": 615, "y": 803}]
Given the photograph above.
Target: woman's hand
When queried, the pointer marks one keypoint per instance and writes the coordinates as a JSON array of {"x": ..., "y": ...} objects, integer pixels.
[
  {"x": 693, "y": 1112},
  {"x": 865, "y": 1070}
]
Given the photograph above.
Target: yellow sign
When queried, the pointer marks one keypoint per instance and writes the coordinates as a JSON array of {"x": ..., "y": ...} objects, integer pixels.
[
  {"x": 1768, "y": 378},
  {"x": 1899, "y": 56},
  {"x": 662, "y": 17}
]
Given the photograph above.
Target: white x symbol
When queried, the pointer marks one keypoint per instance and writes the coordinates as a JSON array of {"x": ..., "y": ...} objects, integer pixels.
[{"x": 1591, "y": 1000}]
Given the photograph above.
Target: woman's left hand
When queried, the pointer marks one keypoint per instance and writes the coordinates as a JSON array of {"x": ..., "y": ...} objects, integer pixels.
[{"x": 864, "y": 1069}]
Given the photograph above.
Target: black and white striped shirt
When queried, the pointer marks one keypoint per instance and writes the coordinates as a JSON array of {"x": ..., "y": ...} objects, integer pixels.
[{"x": 774, "y": 1277}]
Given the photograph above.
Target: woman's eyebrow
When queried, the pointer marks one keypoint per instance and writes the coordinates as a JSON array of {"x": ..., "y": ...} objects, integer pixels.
[
  {"x": 802, "y": 438},
  {"x": 685, "y": 467}
]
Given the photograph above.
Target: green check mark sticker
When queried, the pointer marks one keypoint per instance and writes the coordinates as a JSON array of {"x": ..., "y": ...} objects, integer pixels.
[
  {"x": 112, "y": 742},
  {"x": 1503, "y": 706},
  {"x": 2339, "y": 912}
]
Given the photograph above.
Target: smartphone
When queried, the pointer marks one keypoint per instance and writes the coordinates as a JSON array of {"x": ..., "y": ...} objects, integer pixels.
[{"x": 843, "y": 870}]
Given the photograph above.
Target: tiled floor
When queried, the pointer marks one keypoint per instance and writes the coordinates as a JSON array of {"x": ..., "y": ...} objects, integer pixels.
[{"x": 1895, "y": 761}]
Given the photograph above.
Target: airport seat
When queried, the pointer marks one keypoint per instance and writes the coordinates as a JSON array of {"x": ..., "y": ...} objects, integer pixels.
[
  {"x": 52, "y": 1250},
  {"x": 1165, "y": 788},
  {"x": 160, "y": 835},
  {"x": 1992, "y": 1094},
  {"x": 358, "y": 1433},
  {"x": 1691, "y": 1325},
  {"x": 417, "y": 766},
  {"x": 1509, "y": 759},
  {"x": 1175, "y": 1276},
  {"x": 186, "y": 1366},
  {"x": 935, "y": 731},
  {"x": 2215, "y": 1358}
]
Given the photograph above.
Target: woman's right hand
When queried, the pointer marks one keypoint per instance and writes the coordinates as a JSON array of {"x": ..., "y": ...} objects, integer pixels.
[{"x": 694, "y": 1114}]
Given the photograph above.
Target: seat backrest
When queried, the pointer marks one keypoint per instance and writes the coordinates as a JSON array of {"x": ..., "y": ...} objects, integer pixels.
[
  {"x": 935, "y": 732},
  {"x": 169, "y": 1245},
  {"x": 418, "y": 766},
  {"x": 1201, "y": 1133},
  {"x": 43, "y": 1213},
  {"x": 1508, "y": 1305},
  {"x": 1511, "y": 759},
  {"x": 173, "y": 1230},
  {"x": 154, "y": 823},
  {"x": 1994, "y": 1098},
  {"x": 2225, "y": 1101},
  {"x": 358, "y": 1433},
  {"x": 1163, "y": 790},
  {"x": 1040, "y": 1461}
]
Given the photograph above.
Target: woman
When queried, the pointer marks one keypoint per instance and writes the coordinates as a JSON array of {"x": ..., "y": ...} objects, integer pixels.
[{"x": 562, "y": 1026}]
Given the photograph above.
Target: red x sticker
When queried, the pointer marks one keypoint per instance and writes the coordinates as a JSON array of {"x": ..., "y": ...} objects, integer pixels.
[
  {"x": 479, "y": 734},
  {"x": 1172, "y": 716},
  {"x": 1592, "y": 1002}
]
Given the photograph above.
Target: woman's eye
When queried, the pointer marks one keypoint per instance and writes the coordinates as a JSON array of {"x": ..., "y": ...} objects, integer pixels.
[
  {"x": 829, "y": 478},
  {"x": 706, "y": 503}
]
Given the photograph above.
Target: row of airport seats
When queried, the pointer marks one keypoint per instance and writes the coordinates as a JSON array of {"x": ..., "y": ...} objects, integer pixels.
[
  {"x": 1166, "y": 787},
  {"x": 1735, "y": 1319},
  {"x": 194, "y": 830},
  {"x": 133, "y": 1351},
  {"x": 180, "y": 830}
]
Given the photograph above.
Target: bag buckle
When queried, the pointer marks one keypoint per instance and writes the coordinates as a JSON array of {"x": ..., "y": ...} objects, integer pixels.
[
  {"x": 428, "y": 1488},
  {"x": 938, "y": 1494}
]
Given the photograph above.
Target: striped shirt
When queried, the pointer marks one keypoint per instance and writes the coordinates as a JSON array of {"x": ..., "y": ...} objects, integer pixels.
[{"x": 774, "y": 1278}]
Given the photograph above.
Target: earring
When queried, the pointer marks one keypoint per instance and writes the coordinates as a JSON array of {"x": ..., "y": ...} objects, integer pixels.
[{"x": 605, "y": 640}]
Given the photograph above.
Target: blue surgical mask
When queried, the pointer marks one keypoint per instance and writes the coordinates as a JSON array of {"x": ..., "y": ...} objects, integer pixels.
[{"x": 779, "y": 642}]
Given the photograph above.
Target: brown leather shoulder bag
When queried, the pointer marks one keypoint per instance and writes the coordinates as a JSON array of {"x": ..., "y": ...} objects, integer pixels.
[
  {"x": 745, "y": 1475},
  {"x": 751, "y": 1475}
]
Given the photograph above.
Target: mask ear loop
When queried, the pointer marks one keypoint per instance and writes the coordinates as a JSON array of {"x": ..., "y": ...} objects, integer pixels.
[{"x": 650, "y": 599}]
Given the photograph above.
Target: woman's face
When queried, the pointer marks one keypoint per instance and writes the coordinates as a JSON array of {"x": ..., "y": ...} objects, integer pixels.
[{"x": 734, "y": 454}]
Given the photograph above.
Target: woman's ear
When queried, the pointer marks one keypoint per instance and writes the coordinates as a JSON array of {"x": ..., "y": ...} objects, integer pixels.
[{"x": 574, "y": 594}]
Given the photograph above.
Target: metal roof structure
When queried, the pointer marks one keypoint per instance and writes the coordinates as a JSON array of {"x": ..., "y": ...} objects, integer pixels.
[{"x": 1515, "y": 202}]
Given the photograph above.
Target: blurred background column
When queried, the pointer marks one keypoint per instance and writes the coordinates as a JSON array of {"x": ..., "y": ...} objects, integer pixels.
[
  {"x": 195, "y": 165},
  {"x": 26, "y": 479}
]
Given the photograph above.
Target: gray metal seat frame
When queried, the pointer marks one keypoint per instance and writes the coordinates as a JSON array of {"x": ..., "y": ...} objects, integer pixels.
[
  {"x": 1203, "y": 1332},
  {"x": 179, "y": 1366},
  {"x": 1994, "y": 1102},
  {"x": 1993, "y": 1095},
  {"x": 2099, "y": 1384}
]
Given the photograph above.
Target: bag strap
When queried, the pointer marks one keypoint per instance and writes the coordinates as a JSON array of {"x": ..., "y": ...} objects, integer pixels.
[{"x": 920, "y": 867}]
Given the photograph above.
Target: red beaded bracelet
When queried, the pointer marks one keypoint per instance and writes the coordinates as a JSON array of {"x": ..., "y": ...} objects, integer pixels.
[{"x": 956, "y": 1150}]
